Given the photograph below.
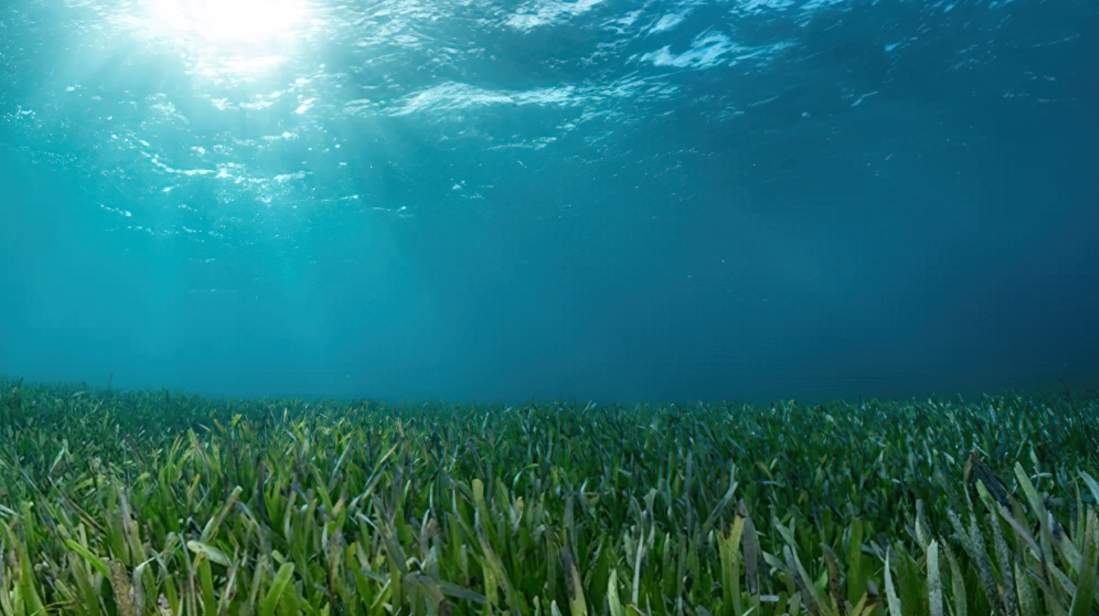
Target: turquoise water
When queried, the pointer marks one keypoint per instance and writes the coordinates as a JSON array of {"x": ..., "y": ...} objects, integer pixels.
[{"x": 669, "y": 199}]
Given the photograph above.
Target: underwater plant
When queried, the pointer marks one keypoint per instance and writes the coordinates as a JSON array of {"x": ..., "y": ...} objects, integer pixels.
[{"x": 159, "y": 503}]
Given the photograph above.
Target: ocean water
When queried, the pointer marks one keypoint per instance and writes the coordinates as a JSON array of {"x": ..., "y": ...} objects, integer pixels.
[{"x": 550, "y": 199}]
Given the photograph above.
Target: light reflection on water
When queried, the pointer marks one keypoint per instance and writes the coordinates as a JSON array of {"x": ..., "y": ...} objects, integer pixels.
[
  {"x": 220, "y": 106},
  {"x": 224, "y": 41}
]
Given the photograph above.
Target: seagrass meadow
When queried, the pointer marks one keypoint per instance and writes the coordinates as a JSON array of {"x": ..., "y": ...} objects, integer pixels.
[{"x": 161, "y": 503}]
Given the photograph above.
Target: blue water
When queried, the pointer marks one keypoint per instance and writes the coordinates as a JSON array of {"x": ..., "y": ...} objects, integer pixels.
[{"x": 595, "y": 199}]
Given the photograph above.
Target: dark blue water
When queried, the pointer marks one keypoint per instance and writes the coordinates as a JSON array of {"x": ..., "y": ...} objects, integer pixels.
[{"x": 670, "y": 199}]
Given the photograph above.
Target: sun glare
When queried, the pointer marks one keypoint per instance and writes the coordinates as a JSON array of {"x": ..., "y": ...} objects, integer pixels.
[
  {"x": 231, "y": 23},
  {"x": 226, "y": 40}
]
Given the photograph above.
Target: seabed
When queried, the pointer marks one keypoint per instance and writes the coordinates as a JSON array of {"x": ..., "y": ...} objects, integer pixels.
[{"x": 160, "y": 503}]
